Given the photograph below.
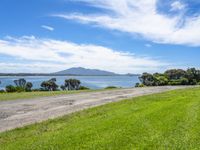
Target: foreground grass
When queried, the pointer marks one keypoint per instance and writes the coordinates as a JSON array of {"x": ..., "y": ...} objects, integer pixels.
[{"x": 170, "y": 120}]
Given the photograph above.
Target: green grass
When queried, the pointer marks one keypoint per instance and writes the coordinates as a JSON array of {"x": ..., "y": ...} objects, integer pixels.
[
  {"x": 28, "y": 95},
  {"x": 169, "y": 120}
]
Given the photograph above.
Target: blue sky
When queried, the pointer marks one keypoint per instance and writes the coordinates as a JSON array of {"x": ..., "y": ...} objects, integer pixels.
[{"x": 114, "y": 35}]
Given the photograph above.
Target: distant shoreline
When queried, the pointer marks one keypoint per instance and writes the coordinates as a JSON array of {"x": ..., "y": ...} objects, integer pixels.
[{"x": 41, "y": 74}]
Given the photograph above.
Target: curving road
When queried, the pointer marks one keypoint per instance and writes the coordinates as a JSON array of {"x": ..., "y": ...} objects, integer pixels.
[{"x": 18, "y": 113}]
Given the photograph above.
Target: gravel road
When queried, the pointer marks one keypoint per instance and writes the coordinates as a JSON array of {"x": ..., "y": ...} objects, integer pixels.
[{"x": 18, "y": 113}]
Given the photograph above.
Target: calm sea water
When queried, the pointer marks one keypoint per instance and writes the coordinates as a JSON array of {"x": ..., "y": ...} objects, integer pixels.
[{"x": 93, "y": 82}]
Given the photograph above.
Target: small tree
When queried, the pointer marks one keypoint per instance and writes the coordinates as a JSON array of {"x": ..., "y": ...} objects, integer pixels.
[
  {"x": 28, "y": 87},
  {"x": 175, "y": 74},
  {"x": 72, "y": 84},
  {"x": 147, "y": 79},
  {"x": 20, "y": 83},
  {"x": 63, "y": 87},
  {"x": 49, "y": 85}
]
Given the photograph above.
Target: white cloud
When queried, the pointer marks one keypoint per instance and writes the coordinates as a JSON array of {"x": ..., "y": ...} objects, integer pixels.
[
  {"x": 47, "y": 27},
  {"x": 177, "y": 5},
  {"x": 48, "y": 55},
  {"x": 141, "y": 17}
]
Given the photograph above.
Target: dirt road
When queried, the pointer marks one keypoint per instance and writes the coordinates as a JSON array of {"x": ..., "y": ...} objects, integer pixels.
[{"x": 18, "y": 113}]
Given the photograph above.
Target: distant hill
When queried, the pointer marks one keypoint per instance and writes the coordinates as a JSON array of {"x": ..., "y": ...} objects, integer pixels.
[
  {"x": 79, "y": 71},
  {"x": 84, "y": 71}
]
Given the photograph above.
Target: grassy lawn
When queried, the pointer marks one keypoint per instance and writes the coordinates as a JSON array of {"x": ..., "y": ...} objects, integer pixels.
[
  {"x": 169, "y": 120},
  {"x": 28, "y": 95}
]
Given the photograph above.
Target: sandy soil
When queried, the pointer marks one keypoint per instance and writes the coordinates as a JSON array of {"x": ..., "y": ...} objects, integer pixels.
[{"x": 18, "y": 113}]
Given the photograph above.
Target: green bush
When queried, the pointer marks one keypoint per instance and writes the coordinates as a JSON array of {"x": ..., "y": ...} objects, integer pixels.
[
  {"x": 83, "y": 88},
  {"x": 174, "y": 82},
  {"x": 11, "y": 88},
  {"x": 111, "y": 87},
  {"x": 161, "y": 80},
  {"x": 2, "y": 91},
  {"x": 193, "y": 82},
  {"x": 139, "y": 85},
  {"x": 184, "y": 81},
  {"x": 171, "y": 77},
  {"x": 19, "y": 89}
]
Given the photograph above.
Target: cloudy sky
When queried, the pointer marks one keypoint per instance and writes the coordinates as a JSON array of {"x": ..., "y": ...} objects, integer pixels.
[{"x": 124, "y": 36}]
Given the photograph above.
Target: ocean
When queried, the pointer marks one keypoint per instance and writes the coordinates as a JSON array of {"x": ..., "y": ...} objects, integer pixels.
[{"x": 93, "y": 82}]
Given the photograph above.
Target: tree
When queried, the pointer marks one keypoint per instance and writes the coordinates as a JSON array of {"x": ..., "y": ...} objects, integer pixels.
[
  {"x": 72, "y": 84},
  {"x": 175, "y": 74},
  {"x": 172, "y": 77},
  {"x": 161, "y": 81},
  {"x": 20, "y": 83},
  {"x": 63, "y": 87},
  {"x": 147, "y": 79},
  {"x": 193, "y": 75},
  {"x": 28, "y": 87},
  {"x": 45, "y": 85},
  {"x": 49, "y": 85},
  {"x": 52, "y": 84}
]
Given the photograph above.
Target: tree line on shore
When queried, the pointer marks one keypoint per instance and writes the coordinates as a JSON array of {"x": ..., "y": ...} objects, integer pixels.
[
  {"x": 21, "y": 85},
  {"x": 190, "y": 76}
]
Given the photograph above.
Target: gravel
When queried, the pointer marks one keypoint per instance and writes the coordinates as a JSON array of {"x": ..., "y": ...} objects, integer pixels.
[{"x": 18, "y": 113}]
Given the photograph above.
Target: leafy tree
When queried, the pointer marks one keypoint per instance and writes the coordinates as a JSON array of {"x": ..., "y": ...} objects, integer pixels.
[
  {"x": 63, "y": 87},
  {"x": 49, "y": 85},
  {"x": 147, "y": 79},
  {"x": 192, "y": 75},
  {"x": 161, "y": 81},
  {"x": 175, "y": 74},
  {"x": 45, "y": 85},
  {"x": 20, "y": 83},
  {"x": 72, "y": 84},
  {"x": 171, "y": 77},
  {"x": 28, "y": 87}
]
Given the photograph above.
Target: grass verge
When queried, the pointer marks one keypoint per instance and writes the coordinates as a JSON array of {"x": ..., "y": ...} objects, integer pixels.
[
  {"x": 169, "y": 120},
  {"x": 28, "y": 95}
]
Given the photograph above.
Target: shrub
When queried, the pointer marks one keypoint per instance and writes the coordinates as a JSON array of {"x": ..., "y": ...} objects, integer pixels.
[
  {"x": 19, "y": 89},
  {"x": 184, "y": 81},
  {"x": 28, "y": 86},
  {"x": 161, "y": 80},
  {"x": 83, "y": 88},
  {"x": 111, "y": 87},
  {"x": 36, "y": 90},
  {"x": 2, "y": 91},
  {"x": 11, "y": 88},
  {"x": 137, "y": 84},
  {"x": 193, "y": 82},
  {"x": 142, "y": 85},
  {"x": 63, "y": 87}
]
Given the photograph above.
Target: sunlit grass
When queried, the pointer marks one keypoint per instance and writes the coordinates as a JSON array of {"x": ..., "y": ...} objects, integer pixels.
[{"x": 169, "y": 120}]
